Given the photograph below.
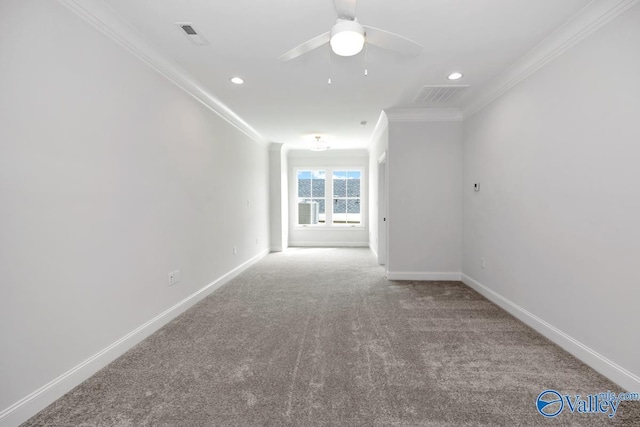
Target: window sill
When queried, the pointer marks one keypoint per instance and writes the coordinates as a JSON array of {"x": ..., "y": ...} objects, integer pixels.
[{"x": 330, "y": 227}]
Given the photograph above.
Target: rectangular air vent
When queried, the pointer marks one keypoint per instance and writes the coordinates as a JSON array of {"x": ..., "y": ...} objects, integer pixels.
[
  {"x": 189, "y": 30},
  {"x": 192, "y": 34},
  {"x": 442, "y": 94}
]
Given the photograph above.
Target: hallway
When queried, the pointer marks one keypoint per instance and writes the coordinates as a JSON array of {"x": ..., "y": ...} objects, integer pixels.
[{"x": 317, "y": 336}]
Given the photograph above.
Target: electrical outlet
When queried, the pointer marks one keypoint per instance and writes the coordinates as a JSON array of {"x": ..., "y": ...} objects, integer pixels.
[
  {"x": 235, "y": 250},
  {"x": 174, "y": 277},
  {"x": 483, "y": 264},
  {"x": 256, "y": 240}
]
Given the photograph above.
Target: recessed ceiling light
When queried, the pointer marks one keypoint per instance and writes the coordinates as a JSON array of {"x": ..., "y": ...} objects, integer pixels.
[
  {"x": 363, "y": 123},
  {"x": 455, "y": 76},
  {"x": 237, "y": 80}
]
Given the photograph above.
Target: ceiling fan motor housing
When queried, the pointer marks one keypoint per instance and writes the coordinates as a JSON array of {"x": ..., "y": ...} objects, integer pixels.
[{"x": 347, "y": 37}]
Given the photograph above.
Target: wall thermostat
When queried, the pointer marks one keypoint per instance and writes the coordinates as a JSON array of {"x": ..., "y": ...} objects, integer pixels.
[{"x": 476, "y": 186}]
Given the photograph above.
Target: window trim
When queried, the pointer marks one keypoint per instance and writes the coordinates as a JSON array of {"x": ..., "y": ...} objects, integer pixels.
[{"x": 328, "y": 191}]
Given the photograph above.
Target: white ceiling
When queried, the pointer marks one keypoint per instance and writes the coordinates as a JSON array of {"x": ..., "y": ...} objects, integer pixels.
[{"x": 291, "y": 101}]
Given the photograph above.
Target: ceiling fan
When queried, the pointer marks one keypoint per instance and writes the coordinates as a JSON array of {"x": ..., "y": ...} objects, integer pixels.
[{"x": 347, "y": 37}]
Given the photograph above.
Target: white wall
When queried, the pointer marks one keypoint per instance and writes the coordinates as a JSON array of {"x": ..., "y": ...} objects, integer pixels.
[
  {"x": 425, "y": 200},
  {"x": 558, "y": 215},
  {"x": 278, "y": 198},
  {"x": 326, "y": 236},
  {"x": 377, "y": 147},
  {"x": 110, "y": 177},
  {"x": 284, "y": 199}
]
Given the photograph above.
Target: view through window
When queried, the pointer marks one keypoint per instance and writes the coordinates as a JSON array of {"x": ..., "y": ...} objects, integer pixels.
[{"x": 329, "y": 196}]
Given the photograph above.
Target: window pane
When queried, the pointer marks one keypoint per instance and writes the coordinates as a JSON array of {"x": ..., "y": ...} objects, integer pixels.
[
  {"x": 339, "y": 187},
  {"x": 320, "y": 203},
  {"x": 339, "y": 206},
  {"x": 353, "y": 187},
  {"x": 353, "y": 206},
  {"x": 318, "y": 187},
  {"x": 353, "y": 174},
  {"x": 339, "y": 183},
  {"x": 339, "y": 211},
  {"x": 304, "y": 187}
]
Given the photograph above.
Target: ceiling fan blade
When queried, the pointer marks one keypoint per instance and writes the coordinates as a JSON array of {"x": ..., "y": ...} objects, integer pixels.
[
  {"x": 346, "y": 9},
  {"x": 305, "y": 47},
  {"x": 392, "y": 41}
]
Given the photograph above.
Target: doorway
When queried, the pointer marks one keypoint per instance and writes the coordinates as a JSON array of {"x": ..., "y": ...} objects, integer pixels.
[{"x": 382, "y": 209}]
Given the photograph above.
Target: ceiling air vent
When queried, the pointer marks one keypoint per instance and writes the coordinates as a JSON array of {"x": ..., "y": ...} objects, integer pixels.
[
  {"x": 191, "y": 33},
  {"x": 189, "y": 30},
  {"x": 443, "y": 94}
]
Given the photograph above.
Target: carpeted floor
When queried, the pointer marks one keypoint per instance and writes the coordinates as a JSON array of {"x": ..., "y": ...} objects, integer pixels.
[{"x": 318, "y": 337}]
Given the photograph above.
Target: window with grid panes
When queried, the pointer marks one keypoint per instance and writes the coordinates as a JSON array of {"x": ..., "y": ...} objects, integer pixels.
[
  {"x": 311, "y": 190},
  {"x": 346, "y": 197}
]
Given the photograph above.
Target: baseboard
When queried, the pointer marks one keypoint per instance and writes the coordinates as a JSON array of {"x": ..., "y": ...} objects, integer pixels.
[
  {"x": 30, "y": 405},
  {"x": 422, "y": 275},
  {"x": 375, "y": 254},
  {"x": 328, "y": 244},
  {"x": 616, "y": 373}
]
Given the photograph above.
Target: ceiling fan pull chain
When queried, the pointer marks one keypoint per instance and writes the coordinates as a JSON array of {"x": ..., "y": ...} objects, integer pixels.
[
  {"x": 366, "y": 58},
  {"x": 329, "y": 81}
]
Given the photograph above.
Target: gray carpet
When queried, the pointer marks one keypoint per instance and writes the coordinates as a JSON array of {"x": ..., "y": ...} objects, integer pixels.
[{"x": 318, "y": 337}]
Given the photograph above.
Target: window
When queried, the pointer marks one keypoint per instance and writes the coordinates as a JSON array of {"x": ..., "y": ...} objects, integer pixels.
[
  {"x": 346, "y": 197},
  {"x": 311, "y": 199},
  {"x": 329, "y": 197}
]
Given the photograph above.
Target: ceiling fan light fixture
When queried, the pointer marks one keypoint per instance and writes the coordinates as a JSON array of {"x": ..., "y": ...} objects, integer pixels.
[{"x": 347, "y": 37}]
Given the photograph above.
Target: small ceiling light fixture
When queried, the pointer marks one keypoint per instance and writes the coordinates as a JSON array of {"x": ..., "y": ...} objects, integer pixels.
[
  {"x": 363, "y": 123},
  {"x": 455, "y": 76},
  {"x": 319, "y": 146},
  {"x": 347, "y": 37},
  {"x": 236, "y": 80}
]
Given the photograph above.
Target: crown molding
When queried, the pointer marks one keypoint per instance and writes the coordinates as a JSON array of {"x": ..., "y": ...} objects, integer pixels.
[
  {"x": 424, "y": 115},
  {"x": 110, "y": 23},
  {"x": 587, "y": 21}
]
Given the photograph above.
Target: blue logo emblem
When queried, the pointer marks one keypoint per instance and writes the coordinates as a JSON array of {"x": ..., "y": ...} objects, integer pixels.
[{"x": 550, "y": 403}]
